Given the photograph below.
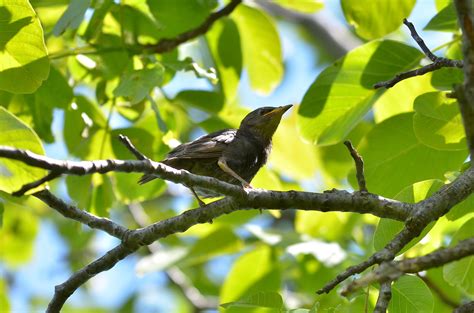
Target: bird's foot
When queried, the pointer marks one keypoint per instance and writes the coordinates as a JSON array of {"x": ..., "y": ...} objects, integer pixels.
[{"x": 247, "y": 186}]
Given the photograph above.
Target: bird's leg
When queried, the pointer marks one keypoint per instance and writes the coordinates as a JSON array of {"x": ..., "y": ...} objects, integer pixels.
[
  {"x": 223, "y": 165},
  {"x": 201, "y": 203}
]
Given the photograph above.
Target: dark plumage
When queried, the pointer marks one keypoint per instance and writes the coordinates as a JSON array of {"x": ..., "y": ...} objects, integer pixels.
[{"x": 230, "y": 155}]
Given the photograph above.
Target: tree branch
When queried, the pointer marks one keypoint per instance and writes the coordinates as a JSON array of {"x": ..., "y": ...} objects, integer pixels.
[
  {"x": 81, "y": 216},
  {"x": 465, "y": 308},
  {"x": 385, "y": 294},
  {"x": 465, "y": 93},
  {"x": 164, "y": 45},
  {"x": 333, "y": 200},
  {"x": 390, "y": 271},
  {"x": 424, "y": 212},
  {"x": 438, "y": 62},
  {"x": 359, "y": 162}
]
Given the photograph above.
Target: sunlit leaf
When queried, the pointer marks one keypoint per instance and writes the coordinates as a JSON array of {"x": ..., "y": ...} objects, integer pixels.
[
  {"x": 343, "y": 93},
  {"x": 304, "y": 6},
  {"x": 224, "y": 43},
  {"x": 374, "y": 19},
  {"x": 438, "y": 123},
  {"x": 461, "y": 273},
  {"x": 261, "y": 48},
  {"x": 262, "y": 278},
  {"x": 400, "y": 98},
  {"x": 23, "y": 55},
  {"x": 394, "y": 157},
  {"x": 177, "y": 16},
  {"x": 14, "y": 133},
  {"x": 411, "y": 295},
  {"x": 387, "y": 229}
]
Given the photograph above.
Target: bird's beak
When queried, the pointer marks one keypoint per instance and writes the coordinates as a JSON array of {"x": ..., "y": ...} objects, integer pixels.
[{"x": 280, "y": 110}]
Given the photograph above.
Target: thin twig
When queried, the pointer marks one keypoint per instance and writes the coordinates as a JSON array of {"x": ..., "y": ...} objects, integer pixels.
[
  {"x": 385, "y": 294},
  {"x": 359, "y": 163},
  {"x": 163, "y": 46},
  {"x": 129, "y": 145},
  {"x": 27, "y": 187},
  {"x": 438, "y": 62},
  {"x": 423, "y": 213},
  {"x": 390, "y": 271}
]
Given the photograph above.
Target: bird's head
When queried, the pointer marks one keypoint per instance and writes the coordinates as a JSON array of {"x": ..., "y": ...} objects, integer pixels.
[{"x": 263, "y": 122}]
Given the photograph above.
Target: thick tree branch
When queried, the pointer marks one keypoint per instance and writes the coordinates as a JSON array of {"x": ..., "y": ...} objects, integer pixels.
[
  {"x": 424, "y": 212},
  {"x": 385, "y": 294},
  {"x": 391, "y": 271},
  {"x": 81, "y": 216},
  {"x": 438, "y": 62},
  {"x": 465, "y": 94},
  {"x": 465, "y": 308},
  {"x": 174, "y": 273},
  {"x": 334, "y": 200},
  {"x": 421, "y": 213}
]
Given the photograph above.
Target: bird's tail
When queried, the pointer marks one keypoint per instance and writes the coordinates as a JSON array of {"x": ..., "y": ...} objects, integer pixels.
[{"x": 146, "y": 178}]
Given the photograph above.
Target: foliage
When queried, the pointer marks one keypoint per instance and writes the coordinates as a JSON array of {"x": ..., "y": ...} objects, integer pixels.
[{"x": 76, "y": 74}]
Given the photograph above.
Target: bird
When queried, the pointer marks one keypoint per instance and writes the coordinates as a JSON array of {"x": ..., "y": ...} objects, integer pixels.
[{"x": 230, "y": 155}]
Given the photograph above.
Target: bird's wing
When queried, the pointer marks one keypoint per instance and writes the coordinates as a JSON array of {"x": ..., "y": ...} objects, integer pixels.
[{"x": 208, "y": 146}]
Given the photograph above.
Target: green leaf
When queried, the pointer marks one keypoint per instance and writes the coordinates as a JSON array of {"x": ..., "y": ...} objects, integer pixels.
[
  {"x": 270, "y": 300},
  {"x": 126, "y": 186},
  {"x": 261, "y": 48},
  {"x": 445, "y": 20},
  {"x": 260, "y": 271},
  {"x": 189, "y": 65},
  {"x": 24, "y": 58},
  {"x": 102, "y": 196},
  {"x": 14, "y": 133},
  {"x": 202, "y": 99},
  {"x": 2, "y": 209},
  {"x": 411, "y": 295},
  {"x": 400, "y": 98},
  {"x": 82, "y": 120},
  {"x": 387, "y": 229},
  {"x": 55, "y": 92},
  {"x": 461, "y": 273},
  {"x": 224, "y": 43},
  {"x": 394, "y": 157},
  {"x": 72, "y": 17},
  {"x": 445, "y": 78},
  {"x": 303, "y": 6},
  {"x": 79, "y": 189},
  {"x": 4, "y": 303},
  {"x": 177, "y": 16},
  {"x": 137, "y": 84},
  {"x": 18, "y": 235},
  {"x": 95, "y": 23},
  {"x": 343, "y": 93},
  {"x": 374, "y": 19},
  {"x": 437, "y": 122},
  {"x": 461, "y": 209}
]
